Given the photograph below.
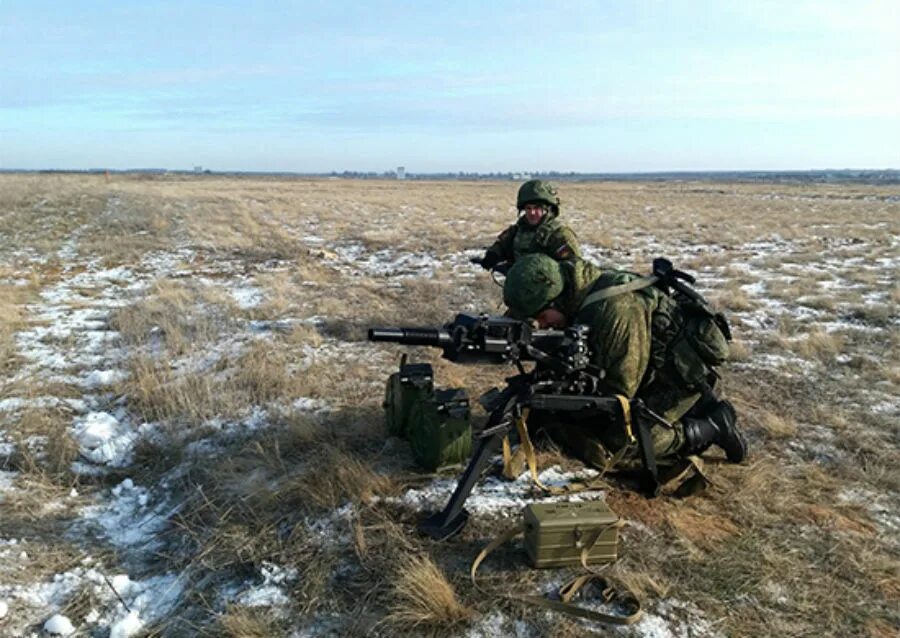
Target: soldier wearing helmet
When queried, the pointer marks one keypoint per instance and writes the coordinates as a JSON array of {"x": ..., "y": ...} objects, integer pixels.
[
  {"x": 638, "y": 337},
  {"x": 538, "y": 229}
]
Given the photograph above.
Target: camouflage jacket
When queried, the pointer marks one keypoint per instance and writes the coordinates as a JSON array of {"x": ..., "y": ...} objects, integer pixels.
[
  {"x": 635, "y": 340},
  {"x": 621, "y": 331},
  {"x": 550, "y": 237}
]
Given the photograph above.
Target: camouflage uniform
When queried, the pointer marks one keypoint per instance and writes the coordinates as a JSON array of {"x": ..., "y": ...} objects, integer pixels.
[
  {"x": 623, "y": 343},
  {"x": 637, "y": 339},
  {"x": 550, "y": 237}
]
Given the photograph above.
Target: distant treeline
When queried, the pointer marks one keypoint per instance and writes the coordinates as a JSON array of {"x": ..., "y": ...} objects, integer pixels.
[{"x": 869, "y": 176}]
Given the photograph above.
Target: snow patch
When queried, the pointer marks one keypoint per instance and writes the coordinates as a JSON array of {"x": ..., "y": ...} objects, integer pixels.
[
  {"x": 885, "y": 514},
  {"x": 127, "y": 626},
  {"x": 59, "y": 625},
  {"x": 308, "y": 404},
  {"x": 495, "y": 497},
  {"x": 247, "y": 296},
  {"x": 497, "y": 625},
  {"x": 333, "y": 529},
  {"x": 126, "y": 519},
  {"x": 100, "y": 378},
  {"x": 148, "y": 600},
  {"x": 103, "y": 439},
  {"x": 270, "y": 593}
]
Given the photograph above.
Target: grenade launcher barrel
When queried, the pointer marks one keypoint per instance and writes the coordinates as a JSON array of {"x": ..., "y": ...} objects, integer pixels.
[
  {"x": 490, "y": 339},
  {"x": 433, "y": 337}
]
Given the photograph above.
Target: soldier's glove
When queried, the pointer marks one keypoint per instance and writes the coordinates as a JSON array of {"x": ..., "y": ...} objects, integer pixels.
[{"x": 490, "y": 260}]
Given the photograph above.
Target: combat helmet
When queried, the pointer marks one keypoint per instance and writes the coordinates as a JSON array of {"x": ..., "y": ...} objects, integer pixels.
[
  {"x": 537, "y": 190},
  {"x": 531, "y": 284}
]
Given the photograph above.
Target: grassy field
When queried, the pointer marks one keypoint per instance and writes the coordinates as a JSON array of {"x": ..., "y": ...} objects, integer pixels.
[{"x": 191, "y": 423}]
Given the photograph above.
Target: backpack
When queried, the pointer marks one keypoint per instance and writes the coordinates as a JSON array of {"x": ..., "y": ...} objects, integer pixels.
[{"x": 689, "y": 336}]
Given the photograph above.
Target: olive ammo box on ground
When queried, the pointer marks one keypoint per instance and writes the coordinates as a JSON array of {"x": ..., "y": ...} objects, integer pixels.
[
  {"x": 413, "y": 383},
  {"x": 438, "y": 429},
  {"x": 556, "y": 533}
]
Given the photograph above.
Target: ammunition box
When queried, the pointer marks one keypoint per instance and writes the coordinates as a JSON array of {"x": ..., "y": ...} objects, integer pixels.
[
  {"x": 411, "y": 384},
  {"x": 439, "y": 431},
  {"x": 556, "y": 533}
]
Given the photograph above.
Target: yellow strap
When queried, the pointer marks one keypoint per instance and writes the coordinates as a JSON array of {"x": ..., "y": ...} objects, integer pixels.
[
  {"x": 507, "y": 456},
  {"x": 591, "y": 540},
  {"x": 626, "y": 417},
  {"x": 526, "y": 446},
  {"x": 686, "y": 479},
  {"x": 612, "y": 460},
  {"x": 513, "y": 462},
  {"x": 507, "y": 534},
  {"x": 567, "y": 593}
]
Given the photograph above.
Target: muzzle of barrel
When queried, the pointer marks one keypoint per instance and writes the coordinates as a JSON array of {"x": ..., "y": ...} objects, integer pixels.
[{"x": 407, "y": 336}]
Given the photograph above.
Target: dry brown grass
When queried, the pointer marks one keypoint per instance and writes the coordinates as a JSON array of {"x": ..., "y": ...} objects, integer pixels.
[
  {"x": 157, "y": 393},
  {"x": 266, "y": 371},
  {"x": 263, "y": 373},
  {"x": 9, "y": 358},
  {"x": 13, "y": 297},
  {"x": 819, "y": 344},
  {"x": 739, "y": 350},
  {"x": 348, "y": 479},
  {"x": 423, "y": 597},
  {"x": 778, "y": 426},
  {"x": 247, "y": 622},
  {"x": 44, "y": 449},
  {"x": 42, "y": 211},
  {"x": 706, "y": 530},
  {"x": 770, "y": 549},
  {"x": 734, "y": 300},
  {"x": 181, "y": 314}
]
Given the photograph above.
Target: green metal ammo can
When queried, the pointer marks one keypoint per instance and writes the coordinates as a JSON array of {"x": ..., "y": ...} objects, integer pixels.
[
  {"x": 438, "y": 429},
  {"x": 556, "y": 533},
  {"x": 411, "y": 384}
]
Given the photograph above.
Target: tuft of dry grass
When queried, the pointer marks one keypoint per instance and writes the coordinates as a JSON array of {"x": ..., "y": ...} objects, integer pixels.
[
  {"x": 734, "y": 299},
  {"x": 239, "y": 621},
  {"x": 44, "y": 448},
  {"x": 158, "y": 393},
  {"x": 12, "y": 318},
  {"x": 777, "y": 426},
  {"x": 739, "y": 350},
  {"x": 348, "y": 479},
  {"x": 266, "y": 371},
  {"x": 706, "y": 530},
  {"x": 423, "y": 597},
  {"x": 182, "y": 315},
  {"x": 819, "y": 344}
]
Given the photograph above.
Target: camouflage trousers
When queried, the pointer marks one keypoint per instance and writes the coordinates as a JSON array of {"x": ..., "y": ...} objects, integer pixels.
[{"x": 604, "y": 444}]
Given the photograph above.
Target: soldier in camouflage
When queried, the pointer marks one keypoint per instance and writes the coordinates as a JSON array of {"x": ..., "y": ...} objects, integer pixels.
[
  {"x": 538, "y": 229},
  {"x": 639, "y": 339}
]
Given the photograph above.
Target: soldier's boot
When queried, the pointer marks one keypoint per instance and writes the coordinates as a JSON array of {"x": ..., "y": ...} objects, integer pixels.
[{"x": 718, "y": 426}]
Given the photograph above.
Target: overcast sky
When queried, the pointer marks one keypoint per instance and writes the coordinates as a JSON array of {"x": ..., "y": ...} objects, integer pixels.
[{"x": 631, "y": 85}]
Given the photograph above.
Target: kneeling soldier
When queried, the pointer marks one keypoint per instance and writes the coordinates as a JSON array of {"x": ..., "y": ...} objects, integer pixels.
[{"x": 647, "y": 346}]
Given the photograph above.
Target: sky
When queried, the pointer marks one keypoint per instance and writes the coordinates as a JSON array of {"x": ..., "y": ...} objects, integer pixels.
[{"x": 601, "y": 86}]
